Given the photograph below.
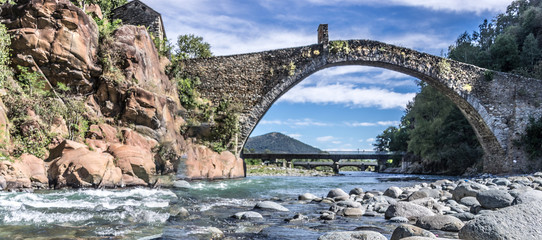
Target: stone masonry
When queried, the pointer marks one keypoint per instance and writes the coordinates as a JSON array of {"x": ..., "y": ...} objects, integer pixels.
[
  {"x": 139, "y": 14},
  {"x": 496, "y": 104}
]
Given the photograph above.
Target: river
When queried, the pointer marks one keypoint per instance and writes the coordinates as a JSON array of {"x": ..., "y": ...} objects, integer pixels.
[{"x": 142, "y": 213}]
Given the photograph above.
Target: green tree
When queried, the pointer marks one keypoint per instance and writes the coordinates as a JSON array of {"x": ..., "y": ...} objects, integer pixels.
[
  {"x": 504, "y": 53},
  {"x": 191, "y": 46},
  {"x": 530, "y": 53},
  {"x": 441, "y": 135}
]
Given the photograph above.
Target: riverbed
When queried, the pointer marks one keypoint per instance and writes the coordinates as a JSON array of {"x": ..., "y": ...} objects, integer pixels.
[{"x": 142, "y": 213}]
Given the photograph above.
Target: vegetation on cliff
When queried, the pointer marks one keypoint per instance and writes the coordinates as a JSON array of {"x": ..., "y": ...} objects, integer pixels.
[{"x": 222, "y": 118}]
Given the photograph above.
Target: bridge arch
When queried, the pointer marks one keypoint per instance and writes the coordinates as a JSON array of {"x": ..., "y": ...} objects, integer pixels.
[{"x": 496, "y": 104}]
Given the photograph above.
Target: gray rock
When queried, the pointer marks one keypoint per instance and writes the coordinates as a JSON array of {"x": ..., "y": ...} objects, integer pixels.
[
  {"x": 523, "y": 221},
  {"x": 369, "y": 214},
  {"x": 418, "y": 195},
  {"x": 268, "y": 205},
  {"x": 491, "y": 199},
  {"x": 440, "y": 222},
  {"x": 467, "y": 189},
  {"x": 297, "y": 218},
  {"x": 338, "y": 193},
  {"x": 356, "y": 191},
  {"x": 408, "y": 210},
  {"x": 327, "y": 215},
  {"x": 501, "y": 181},
  {"x": 469, "y": 201},
  {"x": 352, "y": 212},
  {"x": 349, "y": 203},
  {"x": 250, "y": 215},
  {"x": 393, "y": 192},
  {"x": 351, "y": 235},
  {"x": 528, "y": 197},
  {"x": 464, "y": 216},
  {"x": 307, "y": 196},
  {"x": 181, "y": 184},
  {"x": 399, "y": 219},
  {"x": 407, "y": 230}
]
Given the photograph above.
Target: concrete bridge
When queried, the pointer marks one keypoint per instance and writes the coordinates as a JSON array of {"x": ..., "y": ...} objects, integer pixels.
[
  {"x": 496, "y": 104},
  {"x": 338, "y": 159}
]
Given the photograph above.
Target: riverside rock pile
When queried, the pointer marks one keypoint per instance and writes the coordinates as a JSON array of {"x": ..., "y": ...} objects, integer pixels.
[{"x": 489, "y": 208}]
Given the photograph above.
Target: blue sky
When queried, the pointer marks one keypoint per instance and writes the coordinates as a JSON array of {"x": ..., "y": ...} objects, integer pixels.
[{"x": 341, "y": 108}]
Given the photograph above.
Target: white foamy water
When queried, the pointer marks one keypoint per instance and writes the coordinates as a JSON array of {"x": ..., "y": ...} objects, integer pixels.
[{"x": 85, "y": 207}]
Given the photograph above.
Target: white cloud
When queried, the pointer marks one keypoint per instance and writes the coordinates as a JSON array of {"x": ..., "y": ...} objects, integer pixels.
[
  {"x": 454, "y": 6},
  {"x": 370, "y": 140},
  {"x": 336, "y": 142},
  {"x": 295, "y": 135},
  {"x": 348, "y": 94},
  {"x": 296, "y": 122},
  {"x": 372, "y": 124},
  {"x": 325, "y": 139}
]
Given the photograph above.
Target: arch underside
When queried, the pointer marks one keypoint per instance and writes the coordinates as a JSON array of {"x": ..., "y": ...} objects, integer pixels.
[{"x": 488, "y": 141}]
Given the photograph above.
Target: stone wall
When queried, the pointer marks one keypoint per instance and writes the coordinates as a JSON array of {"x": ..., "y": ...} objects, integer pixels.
[{"x": 496, "y": 104}]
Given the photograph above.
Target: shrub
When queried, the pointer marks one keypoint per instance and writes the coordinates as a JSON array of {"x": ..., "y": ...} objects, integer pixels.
[{"x": 531, "y": 140}]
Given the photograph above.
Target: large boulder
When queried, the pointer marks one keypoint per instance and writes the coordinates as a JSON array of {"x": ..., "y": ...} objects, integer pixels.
[
  {"x": 523, "y": 221},
  {"x": 494, "y": 198},
  {"x": 407, "y": 230},
  {"x": 84, "y": 168},
  {"x": 34, "y": 169},
  {"x": 467, "y": 189},
  {"x": 57, "y": 36},
  {"x": 408, "y": 210},
  {"x": 393, "y": 192},
  {"x": 136, "y": 162},
  {"x": 352, "y": 235},
  {"x": 338, "y": 194},
  {"x": 203, "y": 163},
  {"x": 440, "y": 222},
  {"x": 528, "y": 197}
]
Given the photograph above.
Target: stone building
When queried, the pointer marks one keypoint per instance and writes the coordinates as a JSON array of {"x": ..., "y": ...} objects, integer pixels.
[{"x": 139, "y": 14}]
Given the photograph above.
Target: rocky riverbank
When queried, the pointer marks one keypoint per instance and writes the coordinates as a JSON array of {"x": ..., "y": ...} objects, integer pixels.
[
  {"x": 262, "y": 170},
  {"x": 484, "y": 208}
]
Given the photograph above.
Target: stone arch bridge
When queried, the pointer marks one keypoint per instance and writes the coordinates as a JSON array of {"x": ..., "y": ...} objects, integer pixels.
[{"x": 496, "y": 104}]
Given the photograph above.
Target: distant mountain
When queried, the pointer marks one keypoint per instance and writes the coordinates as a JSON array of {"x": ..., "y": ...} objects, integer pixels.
[{"x": 278, "y": 143}]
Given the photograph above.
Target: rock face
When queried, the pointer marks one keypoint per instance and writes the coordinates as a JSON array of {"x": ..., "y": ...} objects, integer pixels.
[
  {"x": 408, "y": 210},
  {"x": 138, "y": 109},
  {"x": 142, "y": 62},
  {"x": 522, "y": 221},
  {"x": 58, "y": 36}
]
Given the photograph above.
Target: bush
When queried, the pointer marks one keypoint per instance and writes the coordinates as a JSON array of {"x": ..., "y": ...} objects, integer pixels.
[{"x": 532, "y": 139}]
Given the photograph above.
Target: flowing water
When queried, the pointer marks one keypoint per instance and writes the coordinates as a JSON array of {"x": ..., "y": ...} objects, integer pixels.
[{"x": 141, "y": 213}]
